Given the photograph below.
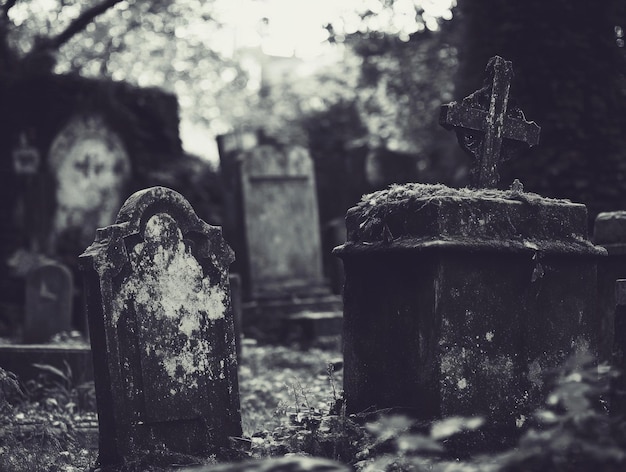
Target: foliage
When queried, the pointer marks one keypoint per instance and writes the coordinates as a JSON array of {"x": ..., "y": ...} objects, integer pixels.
[
  {"x": 571, "y": 432},
  {"x": 9, "y": 389},
  {"x": 408, "y": 61},
  {"x": 276, "y": 382},
  {"x": 57, "y": 387},
  {"x": 173, "y": 45},
  {"x": 569, "y": 66},
  {"x": 38, "y": 424},
  {"x": 292, "y": 405}
]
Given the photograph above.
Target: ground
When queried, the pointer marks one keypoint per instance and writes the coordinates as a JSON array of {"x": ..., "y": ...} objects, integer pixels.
[
  {"x": 278, "y": 386},
  {"x": 286, "y": 395}
]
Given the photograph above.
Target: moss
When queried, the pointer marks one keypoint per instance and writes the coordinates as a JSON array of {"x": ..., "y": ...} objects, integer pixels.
[{"x": 396, "y": 194}]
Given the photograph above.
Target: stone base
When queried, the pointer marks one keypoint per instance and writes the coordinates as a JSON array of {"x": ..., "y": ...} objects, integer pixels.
[
  {"x": 19, "y": 359},
  {"x": 303, "y": 320}
]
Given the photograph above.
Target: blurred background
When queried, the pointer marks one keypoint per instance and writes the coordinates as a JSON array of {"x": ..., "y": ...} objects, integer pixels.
[{"x": 101, "y": 98}]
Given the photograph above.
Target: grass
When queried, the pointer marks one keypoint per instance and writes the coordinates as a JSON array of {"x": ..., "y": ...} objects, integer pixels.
[
  {"x": 286, "y": 395},
  {"x": 40, "y": 420},
  {"x": 276, "y": 381}
]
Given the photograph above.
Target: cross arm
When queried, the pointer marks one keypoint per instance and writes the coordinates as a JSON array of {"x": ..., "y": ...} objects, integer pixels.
[{"x": 458, "y": 115}]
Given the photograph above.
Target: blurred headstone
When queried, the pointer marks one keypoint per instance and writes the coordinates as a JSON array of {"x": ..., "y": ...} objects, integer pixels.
[
  {"x": 271, "y": 219},
  {"x": 91, "y": 169},
  {"x": 49, "y": 294}
]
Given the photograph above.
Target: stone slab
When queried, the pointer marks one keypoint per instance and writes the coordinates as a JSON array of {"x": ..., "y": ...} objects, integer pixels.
[
  {"x": 609, "y": 232},
  {"x": 19, "y": 359},
  {"x": 419, "y": 216}
]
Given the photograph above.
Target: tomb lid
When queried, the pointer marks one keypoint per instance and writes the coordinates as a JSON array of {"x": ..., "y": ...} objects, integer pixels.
[{"x": 424, "y": 217}]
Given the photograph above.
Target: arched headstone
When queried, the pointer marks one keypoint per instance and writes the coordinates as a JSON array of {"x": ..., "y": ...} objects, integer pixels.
[
  {"x": 161, "y": 324},
  {"x": 91, "y": 168}
]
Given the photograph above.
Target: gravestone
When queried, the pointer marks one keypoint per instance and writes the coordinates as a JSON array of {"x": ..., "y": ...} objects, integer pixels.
[
  {"x": 282, "y": 225},
  {"x": 271, "y": 219},
  {"x": 162, "y": 334},
  {"x": 609, "y": 232},
  {"x": 280, "y": 220},
  {"x": 49, "y": 295},
  {"x": 91, "y": 169},
  {"x": 460, "y": 301}
]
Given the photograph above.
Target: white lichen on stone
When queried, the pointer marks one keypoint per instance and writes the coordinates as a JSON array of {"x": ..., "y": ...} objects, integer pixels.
[
  {"x": 173, "y": 300},
  {"x": 531, "y": 245},
  {"x": 462, "y": 384},
  {"x": 520, "y": 420},
  {"x": 489, "y": 336}
]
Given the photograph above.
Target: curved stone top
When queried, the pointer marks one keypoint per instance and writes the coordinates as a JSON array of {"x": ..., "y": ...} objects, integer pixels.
[
  {"x": 609, "y": 231},
  {"x": 133, "y": 217},
  {"x": 419, "y": 216},
  {"x": 266, "y": 160}
]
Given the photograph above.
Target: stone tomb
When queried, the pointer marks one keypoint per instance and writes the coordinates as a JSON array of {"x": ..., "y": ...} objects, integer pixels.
[
  {"x": 49, "y": 295},
  {"x": 462, "y": 300},
  {"x": 162, "y": 334},
  {"x": 459, "y": 301}
]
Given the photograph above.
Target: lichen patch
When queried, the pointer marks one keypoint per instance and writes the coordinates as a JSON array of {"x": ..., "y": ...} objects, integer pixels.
[{"x": 174, "y": 301}]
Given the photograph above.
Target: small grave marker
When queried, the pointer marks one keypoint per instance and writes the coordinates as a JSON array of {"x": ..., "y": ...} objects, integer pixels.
[
  {"x": 49, "y": 293},
  {"x": 488, "y": 126},
  {"x": 610, "y": 233},
  {"x": 162, "y": 330}
]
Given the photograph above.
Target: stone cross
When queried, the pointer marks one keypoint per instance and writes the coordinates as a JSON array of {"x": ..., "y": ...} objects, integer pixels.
[
  {"x": 488, "y": 126},
  {"x": 162, "y": 334}
]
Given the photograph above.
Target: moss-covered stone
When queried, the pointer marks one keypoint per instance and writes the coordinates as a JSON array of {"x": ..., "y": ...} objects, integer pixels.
[
  {"x": 458, "y": 301},
  {"x": 420, "y": 216}
]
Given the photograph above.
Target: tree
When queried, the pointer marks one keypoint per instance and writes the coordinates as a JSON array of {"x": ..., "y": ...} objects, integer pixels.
[
  {"x": 163, "y": 43},
  {"x": 42, "y": 50},
  {"x": 569, "y": 64},
  {"x": 408, "y": 61}
]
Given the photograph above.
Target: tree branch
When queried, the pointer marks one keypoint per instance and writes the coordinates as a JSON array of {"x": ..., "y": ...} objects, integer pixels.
[{"x": 80, "y": 23}]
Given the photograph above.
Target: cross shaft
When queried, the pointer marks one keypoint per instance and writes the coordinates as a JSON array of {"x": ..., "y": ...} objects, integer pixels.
[{"x": 487, "y": 127}]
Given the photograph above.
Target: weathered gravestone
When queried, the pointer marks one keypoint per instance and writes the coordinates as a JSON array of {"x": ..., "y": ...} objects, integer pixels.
[
  {"x": 610, "y": 233},
  {"x": 459, "y": 301},
  {"x": 49, "y": 295},
  {"x": 272, "y": 220},
  {"x": 162, "y": 333},
  {"x": 280, "y": 220}
]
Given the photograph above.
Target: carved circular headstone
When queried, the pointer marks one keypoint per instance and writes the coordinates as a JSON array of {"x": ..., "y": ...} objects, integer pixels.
[{"x": 91, "y": 168}]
